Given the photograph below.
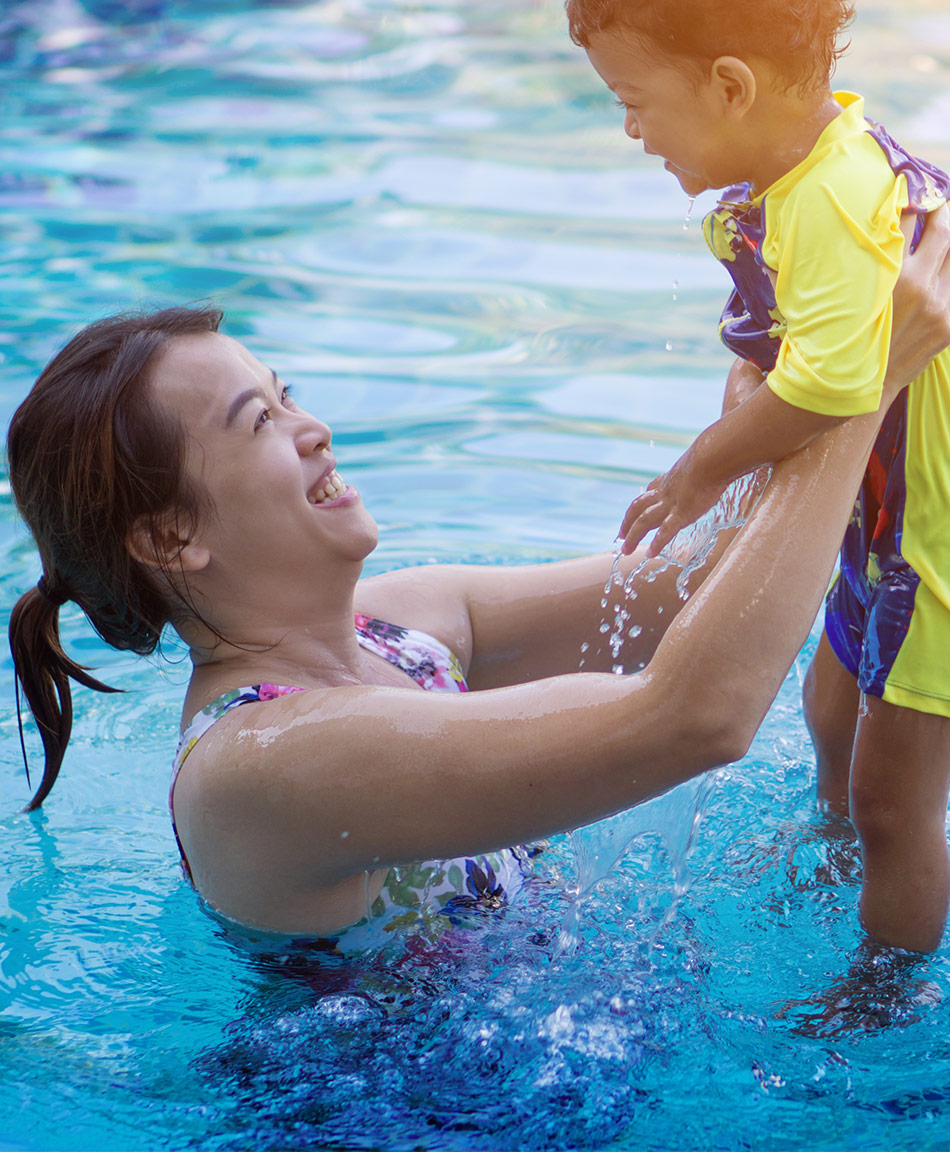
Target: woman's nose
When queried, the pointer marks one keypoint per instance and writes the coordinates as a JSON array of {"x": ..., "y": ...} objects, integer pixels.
[{"x": 313, "y": 435}]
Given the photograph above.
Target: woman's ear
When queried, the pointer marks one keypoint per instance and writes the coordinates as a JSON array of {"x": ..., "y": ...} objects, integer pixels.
[
  {"x": 161, "y": 543},
  {"x": 735, "y": 85}
]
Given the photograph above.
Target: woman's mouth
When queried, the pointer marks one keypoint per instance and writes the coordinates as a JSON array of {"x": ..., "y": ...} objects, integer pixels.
[{"x": 332, "y": 488}]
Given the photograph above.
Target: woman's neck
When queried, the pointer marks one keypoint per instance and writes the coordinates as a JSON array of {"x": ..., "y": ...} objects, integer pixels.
[{"x": 308, "y": 641}]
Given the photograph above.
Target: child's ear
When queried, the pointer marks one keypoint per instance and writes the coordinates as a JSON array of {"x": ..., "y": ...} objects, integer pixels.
[
  {"x": 735, "y": 85},
  {"x": 162, "y": 544}
]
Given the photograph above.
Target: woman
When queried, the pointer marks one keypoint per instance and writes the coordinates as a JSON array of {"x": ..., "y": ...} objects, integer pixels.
[{"x": 167, "y": 476}]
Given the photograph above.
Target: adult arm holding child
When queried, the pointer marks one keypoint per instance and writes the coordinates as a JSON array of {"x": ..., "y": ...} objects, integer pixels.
[
  {"x": 292, "y": 807},
  {"x": 765, "y": 428}
]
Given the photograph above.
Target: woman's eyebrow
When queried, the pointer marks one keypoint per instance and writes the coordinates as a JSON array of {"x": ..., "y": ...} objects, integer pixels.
[{"x": 244, "y": 397}]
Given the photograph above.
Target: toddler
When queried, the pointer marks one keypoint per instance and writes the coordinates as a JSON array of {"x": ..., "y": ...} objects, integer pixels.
[{"x": 737, "y": 96}]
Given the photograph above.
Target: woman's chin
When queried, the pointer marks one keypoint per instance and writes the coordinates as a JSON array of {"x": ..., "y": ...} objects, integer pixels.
[{"x": 367, "y": 538}]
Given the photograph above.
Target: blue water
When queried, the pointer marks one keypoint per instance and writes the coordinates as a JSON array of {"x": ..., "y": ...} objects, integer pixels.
[{"x": 425, "y": 217}]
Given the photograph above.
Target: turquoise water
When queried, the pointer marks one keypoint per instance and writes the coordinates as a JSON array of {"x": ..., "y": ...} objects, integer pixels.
[{"x": 426, "y": 217}]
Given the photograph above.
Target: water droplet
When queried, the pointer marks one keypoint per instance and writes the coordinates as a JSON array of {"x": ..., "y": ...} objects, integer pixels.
[
  {"x": 635, "y": 630},
  {"x": 585, "y": 646},
  {"x": 669, "y": 346}
]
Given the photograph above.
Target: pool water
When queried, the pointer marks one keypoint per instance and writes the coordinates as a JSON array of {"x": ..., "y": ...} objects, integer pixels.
[{"x": 426, "y": 217}]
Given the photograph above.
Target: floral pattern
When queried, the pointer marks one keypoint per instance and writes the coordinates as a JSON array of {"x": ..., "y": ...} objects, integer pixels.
[
  {"x": 427, "y": 660},
  {"x": 429, "y": 895}
]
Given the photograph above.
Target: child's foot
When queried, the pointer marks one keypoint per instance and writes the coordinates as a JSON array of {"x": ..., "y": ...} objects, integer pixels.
[
  {"x": 878, "y": 991},
  {"x": 826, "y": 855}
]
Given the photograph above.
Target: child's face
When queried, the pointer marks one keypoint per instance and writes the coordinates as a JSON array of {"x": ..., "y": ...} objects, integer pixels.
[{"x": 677, "y": 116}]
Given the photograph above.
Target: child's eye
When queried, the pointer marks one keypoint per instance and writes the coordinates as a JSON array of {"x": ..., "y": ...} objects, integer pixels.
[{"x": 623, "y": 104}]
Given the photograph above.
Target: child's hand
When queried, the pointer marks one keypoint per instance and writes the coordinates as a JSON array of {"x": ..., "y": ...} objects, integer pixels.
[{"x": 671, "y": 502}]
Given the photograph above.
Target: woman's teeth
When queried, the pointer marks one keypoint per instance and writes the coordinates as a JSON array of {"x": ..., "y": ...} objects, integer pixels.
[{"x": 333, "y": 487}]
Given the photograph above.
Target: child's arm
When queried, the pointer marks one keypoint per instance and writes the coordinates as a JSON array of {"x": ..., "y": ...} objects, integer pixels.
[{"x": 761, "y": 430}]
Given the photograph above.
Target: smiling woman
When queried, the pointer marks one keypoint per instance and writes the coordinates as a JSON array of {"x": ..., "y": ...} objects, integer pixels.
[{"x": 359, "y": 750}]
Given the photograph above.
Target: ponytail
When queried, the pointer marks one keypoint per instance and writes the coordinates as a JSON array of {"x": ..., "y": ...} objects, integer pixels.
[
  {"x": 92, "y": 455},
  {"x": 43, "y": 670}
]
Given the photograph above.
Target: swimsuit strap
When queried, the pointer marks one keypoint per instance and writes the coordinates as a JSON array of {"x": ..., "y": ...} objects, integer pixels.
[
  {"x": 428, "y": 661},
  {"x": 432, "y": 664},
  {"x": 444, "y": 888}
]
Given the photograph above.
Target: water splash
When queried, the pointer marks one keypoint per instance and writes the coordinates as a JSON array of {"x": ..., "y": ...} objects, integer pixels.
[
  {"x": 689, "y": 213},
  {"x": 691, "y": 547},
  {"x": 675, "y": 817}
]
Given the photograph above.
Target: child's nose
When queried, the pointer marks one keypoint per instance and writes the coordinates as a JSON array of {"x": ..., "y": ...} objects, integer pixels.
[{"x": 631, "y": 125}]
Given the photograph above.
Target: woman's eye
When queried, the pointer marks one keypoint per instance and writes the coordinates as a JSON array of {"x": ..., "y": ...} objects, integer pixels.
[
  {"x": 286, "y": 399},
  {"x": 262, "y": 418}
]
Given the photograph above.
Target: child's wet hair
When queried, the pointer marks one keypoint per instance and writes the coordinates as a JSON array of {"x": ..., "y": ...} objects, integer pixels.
[{"x": 798, "y": 37}]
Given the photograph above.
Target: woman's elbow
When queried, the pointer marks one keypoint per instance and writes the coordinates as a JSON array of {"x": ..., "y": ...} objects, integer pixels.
[{"x": 721, "y": 735}]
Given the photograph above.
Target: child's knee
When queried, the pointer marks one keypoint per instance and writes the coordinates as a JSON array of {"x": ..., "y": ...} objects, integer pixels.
[
  {"x": 890, "y": 817},
  {"x": 879, "y": 818}
]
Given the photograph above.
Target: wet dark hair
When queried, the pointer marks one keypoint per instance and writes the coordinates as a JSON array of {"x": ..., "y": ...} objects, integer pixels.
[
  {"x": 798, "y": 37},
  {"x": 91, "y": 456}
]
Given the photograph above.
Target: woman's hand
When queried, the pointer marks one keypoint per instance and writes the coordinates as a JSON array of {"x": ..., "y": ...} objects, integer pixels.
[{"x": 921, "y": 326}]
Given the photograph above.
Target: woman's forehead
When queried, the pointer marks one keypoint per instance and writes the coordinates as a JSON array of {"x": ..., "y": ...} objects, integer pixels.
[{"x": 207, "y": 368}]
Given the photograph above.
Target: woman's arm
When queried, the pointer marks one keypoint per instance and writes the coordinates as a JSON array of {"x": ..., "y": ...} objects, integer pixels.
[
  {"x": 766, "y": 427},
  {"x": 509, "y": 625},
  {"x": 357, "y": 778},
  {"x": 512, "y": 625},
  {"x": 762, "y": 430},
  {"x": 296, "y": 798}
]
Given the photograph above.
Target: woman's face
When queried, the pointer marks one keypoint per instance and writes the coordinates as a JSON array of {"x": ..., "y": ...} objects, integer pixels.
[{"x": 280, "y": 507}]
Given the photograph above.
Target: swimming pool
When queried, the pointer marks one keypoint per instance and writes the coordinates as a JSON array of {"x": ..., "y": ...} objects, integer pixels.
[{"x": 426, "y": 217}]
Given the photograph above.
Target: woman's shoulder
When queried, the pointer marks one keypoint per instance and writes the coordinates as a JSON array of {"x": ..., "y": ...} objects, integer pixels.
[{"x": 430, "y": 598}]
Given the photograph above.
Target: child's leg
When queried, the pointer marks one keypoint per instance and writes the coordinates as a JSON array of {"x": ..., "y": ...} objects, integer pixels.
[
  {"x": 831, "y": 697},
  {"x": 900, "y": 776}
]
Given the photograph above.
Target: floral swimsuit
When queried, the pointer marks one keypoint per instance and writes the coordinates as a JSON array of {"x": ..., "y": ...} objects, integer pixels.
[{"x": 419, "y": 893}]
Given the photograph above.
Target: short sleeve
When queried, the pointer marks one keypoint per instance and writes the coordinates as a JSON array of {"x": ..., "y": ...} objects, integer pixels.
[{"x": 837, "y": 247}]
